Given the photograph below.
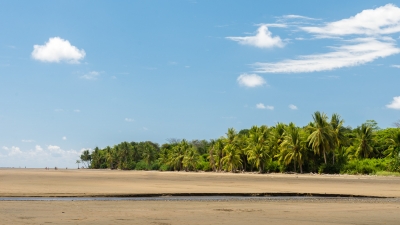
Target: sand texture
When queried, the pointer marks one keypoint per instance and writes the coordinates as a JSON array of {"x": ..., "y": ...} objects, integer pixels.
[{"x": 40, "y": 182}]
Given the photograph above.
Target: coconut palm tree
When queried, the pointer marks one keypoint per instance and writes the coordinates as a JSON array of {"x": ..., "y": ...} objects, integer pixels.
[
  {"x": 258, "y": 150},
  {"x": 211, "y": 154},
  {"x": 322, "y": 137},
  {"x": 293, "y": 147},
  {"x": 339, "y": 134},
  {"x": 364, "y": 140},
  {"x": 191, "y": 159},
  {"x": 231, "y": 160},
  {"x": 148, "y": 154},
  {"x": 394, "y": 147},
  {"x": 276, "y": 137},
  {"x": 177, "y": 154}
]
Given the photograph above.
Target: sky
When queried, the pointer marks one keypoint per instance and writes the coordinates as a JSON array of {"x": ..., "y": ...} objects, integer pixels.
[{"x": 79, "y": 74}]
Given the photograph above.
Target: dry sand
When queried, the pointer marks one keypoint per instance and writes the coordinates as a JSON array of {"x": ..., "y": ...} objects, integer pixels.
[{"x": 40, "y": 182}]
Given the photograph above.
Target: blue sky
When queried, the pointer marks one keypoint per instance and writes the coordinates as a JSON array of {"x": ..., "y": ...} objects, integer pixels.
[{"x": 80, "y": 74}]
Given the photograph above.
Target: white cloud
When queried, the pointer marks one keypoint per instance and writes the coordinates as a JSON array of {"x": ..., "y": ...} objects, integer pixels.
[
  {"x": 263, "y": 39},
  {"x": 28, "y": 141},
  {"x": 52, "y": 155},
  {"x": 395, "y": 104},
  {"x": 251, "y": 80},
  {"x": 58, "y": 50},
  {"x": 64, "y": 138},
  {"x": 77, "y": 110},
  {"x": 262, "y": 106},
  {"x": 363, "y": 51},
  {"x": 129, "y": 120},
  {"x": 280, "y": 25},
  {"x": 382, "y": 20},
  {"x": 292, "y": 107},
  {"x": 396, "y": 66},
  {"x": 297, "y": 17},
  {"x": 12, "y": 151},
  {"x": 91, "y": 75}
]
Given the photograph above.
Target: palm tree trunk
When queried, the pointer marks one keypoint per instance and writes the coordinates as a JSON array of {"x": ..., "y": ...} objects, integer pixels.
[
  {"x": 301, "y": 167},
  {"x": 294, "y": 162},
  {"x": 324, "y": 156}
]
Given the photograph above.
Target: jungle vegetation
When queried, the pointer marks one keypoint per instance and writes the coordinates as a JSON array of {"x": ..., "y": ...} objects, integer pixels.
[{"x": 325, "y": 145}]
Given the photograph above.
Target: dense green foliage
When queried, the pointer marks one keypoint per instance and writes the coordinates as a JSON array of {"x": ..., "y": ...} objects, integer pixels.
[{"x": 323, "y": 146}]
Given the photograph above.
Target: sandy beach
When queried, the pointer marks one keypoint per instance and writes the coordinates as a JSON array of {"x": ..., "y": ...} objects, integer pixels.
[{"x": 63, "y": 183}]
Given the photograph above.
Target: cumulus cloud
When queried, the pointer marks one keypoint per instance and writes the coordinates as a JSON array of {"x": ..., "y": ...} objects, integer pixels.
[
  {"x": 395, "y": 104},
  {"x": 263, "y": 39},
  {"x": 262, "y": 106},
  {"x": 251, "y": 80},
  {"x": 11, "y": 151},
  {"x": 91, "y": 75},
  {"x": 382, "y": 20},
  {"x": 360, "y": 51},
  {"x": 292, "y": 107},
  {"x": 51, "y": 155},
  {"x": 129, "y": 120},
  {"x": 58, "y": 50}
]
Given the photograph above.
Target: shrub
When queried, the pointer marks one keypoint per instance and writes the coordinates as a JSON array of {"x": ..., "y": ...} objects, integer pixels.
[
  {"x": 141, "y": 166},
  {"x": 365, "y": 166},
  {"x": 164, "y": 167},
  {"x": 272, "y": 167}
]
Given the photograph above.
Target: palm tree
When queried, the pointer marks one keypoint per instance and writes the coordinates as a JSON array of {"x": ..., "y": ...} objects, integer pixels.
[
  {"x": 218, "y": 153},
  {"x": 178, "y": 153},
  {"x": 77, "y": 162},
  {"x": 257, "y": 149},
  {"x": 339, "y": 133},
  {"x": 231, "y": 160},
  {"x": 293, "y": 147},
  {"x": 211, "y": 154},
  {"x": 86, "y": 157},
  {"x": 394, "y": 148},
  {"x": 148, "y": 154},
  {"x": 322, "y": 138},
  {"x": 191, "y": 159},
  {"x": 276, "y": 137},
  {"x": 364, "y": 140}
]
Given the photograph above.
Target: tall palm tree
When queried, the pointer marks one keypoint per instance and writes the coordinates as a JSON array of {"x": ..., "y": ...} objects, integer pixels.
[
  {"x": 148, "y": 154},
  {"x": 321, "y": 139},
  {"x": 276, "y": 137},
  {"x": 218, "y": 153},
  {"x": 178, "y": 153},
  {"x": 364, "y": 140},
  {"x": 339, "y": 134},
  {"x": 258, "y": 149},
  {"x": 191, "y": 159},
  {"x": 293, "y": 147},
  {"x": 110, "y": 157},
  {"x": 211, "y": 154},
  {"x": 394, "y": 147},
  {"x": 231, "y": 160}
]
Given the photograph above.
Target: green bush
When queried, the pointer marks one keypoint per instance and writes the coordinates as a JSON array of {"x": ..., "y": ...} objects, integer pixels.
[
  {"x": 366, "y": 166},
  {"x": 272, "y": 167},
  {"x": 329, "y": 168},
  {"x": 131, "y": 165},
  {"x": 141, "y": 166},
  {"x": 164, "y": 167},
  {"x": 155, "y": 166}
]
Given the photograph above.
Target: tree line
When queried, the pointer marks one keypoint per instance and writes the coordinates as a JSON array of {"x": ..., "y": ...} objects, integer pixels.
[{"x": 325, "y": 145}]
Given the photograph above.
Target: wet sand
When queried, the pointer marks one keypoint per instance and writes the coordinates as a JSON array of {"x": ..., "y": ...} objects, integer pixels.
[{"x": 45, "y": 183}]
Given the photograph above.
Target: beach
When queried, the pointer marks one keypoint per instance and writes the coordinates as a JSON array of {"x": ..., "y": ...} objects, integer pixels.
[{"x": 114, "y": 183}]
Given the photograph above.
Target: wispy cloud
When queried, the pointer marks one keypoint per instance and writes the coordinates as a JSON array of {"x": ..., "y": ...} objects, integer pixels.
[
  {"x": 93, "y": 75},
  {"x": 292, "y": 107},
  {"x": 262, "y": 106},
  {"x": 363, "y": 50},
  {"x": 28, "y": 141},
  {"x": 382, "y": 20},
  {"x": 251, "y": 80},
  {"x": 263, "y": 39},
  {"x": 64, "y": 138},
  {"x": 77, "y": 110},
  {"x": 395, "y": 104},
  {"x": 297, "y": 17},
  {"x": 129, "y": 120},
  {"x": 396, "y": 66},
  {"x": 57, "y": 50}
]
